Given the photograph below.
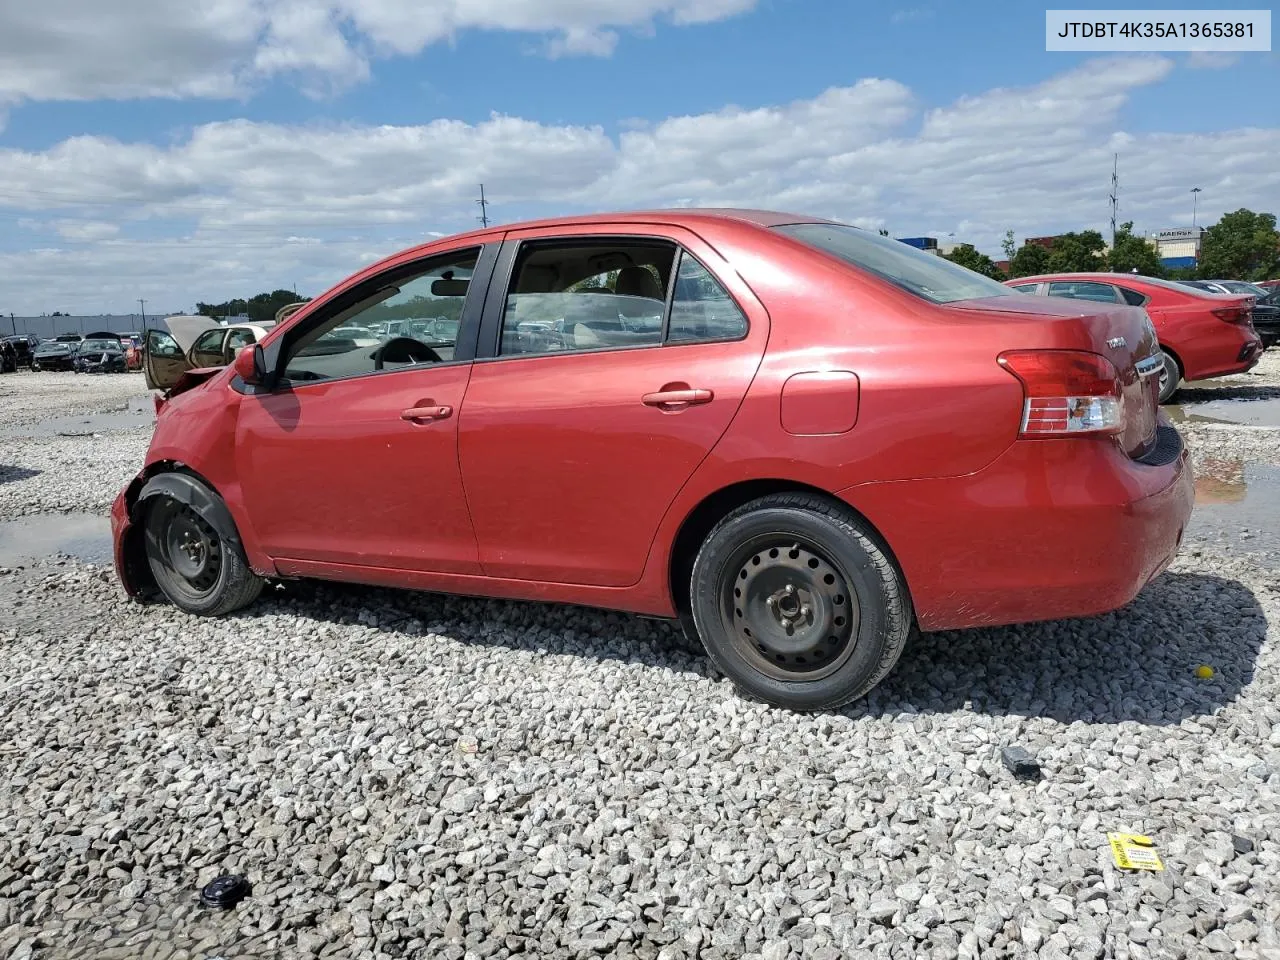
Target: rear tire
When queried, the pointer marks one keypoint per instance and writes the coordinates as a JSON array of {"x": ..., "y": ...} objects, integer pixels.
[
  {"x": 1170, "y": 376},
  {"x": 193, "y": 565},
  {"x": 796, "y": 602}
]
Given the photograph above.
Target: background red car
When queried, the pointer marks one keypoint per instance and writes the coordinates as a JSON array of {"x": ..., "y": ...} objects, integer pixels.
[
  {"x": 1202, "y": 335},
  {"x": 797, "y": 437}
]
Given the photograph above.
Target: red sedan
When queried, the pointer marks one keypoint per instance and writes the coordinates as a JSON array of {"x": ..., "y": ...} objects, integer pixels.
[
  {"x": 799, "y": 438},
  {"x": 1202, "y": 335}
]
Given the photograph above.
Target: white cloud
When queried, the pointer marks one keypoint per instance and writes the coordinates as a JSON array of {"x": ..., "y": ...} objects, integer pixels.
[
  {"x": 85, "y": 229},
  {"x": 240, "y": 206},
  {"x": 124, "y": 49},
  {"x": 1211, "y": 60}
]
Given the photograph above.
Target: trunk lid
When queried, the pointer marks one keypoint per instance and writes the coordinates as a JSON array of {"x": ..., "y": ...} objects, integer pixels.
[{"x": 1124, "y": 335}]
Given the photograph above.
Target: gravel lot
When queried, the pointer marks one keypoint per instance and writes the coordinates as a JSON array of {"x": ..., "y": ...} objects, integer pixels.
[{"x": 407, "y": 775}]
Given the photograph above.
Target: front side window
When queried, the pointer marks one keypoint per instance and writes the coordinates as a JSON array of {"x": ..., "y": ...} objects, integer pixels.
[
  {"x": 701, "y": 309},
  {"x": 588, "y": 295},
  {"x": 1083, "y": 290},
  {"x": 932, "y": 277},
  {"x": 402, "y": 324}
]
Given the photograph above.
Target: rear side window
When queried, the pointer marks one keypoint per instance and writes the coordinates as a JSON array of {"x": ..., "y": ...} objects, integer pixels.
[
  {"x": 1133, "y": 297},
  {"x": 1083, "y": 290},
  {"x": 586, "y": 295},
  {"x": 932, "y": 277}
]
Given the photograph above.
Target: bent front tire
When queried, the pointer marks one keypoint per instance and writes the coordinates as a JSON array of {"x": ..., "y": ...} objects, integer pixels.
[
  {"x": 798, "y": 604},
  {"x": 197, "y": 569}
]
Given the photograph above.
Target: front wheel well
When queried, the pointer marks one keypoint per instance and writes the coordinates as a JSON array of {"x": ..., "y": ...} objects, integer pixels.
[
  {"x": 135, "y": 555},
  {"x": 715, "y": 507}
]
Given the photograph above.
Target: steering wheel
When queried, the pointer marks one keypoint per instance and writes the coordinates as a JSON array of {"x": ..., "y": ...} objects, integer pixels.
[{"x": 404, "y": 350}]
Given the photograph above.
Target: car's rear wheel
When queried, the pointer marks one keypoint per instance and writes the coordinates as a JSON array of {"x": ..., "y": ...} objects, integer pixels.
[
  {"x": 796, "y": 602},
  {"x": 1170, "y": 376},
  {"x": 194, "y": 566}
]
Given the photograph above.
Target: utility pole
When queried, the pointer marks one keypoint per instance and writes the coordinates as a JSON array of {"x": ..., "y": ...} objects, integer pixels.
[
  {"x": 143, "y": 304},
  {"x": 1194, "y": 197},
  {"x": 484, "y": 208},
  {"x": 1115, "y": 196},
  {"x": 13, "y": 323}
]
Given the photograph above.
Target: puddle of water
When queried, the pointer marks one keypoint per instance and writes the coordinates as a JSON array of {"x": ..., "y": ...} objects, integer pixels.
[
  {"x": 1253, "y": 413},
  {"x": 84, "y": 536},
  {"x": 1237, "y": 501},
  {"x": 138, "y": 413}
]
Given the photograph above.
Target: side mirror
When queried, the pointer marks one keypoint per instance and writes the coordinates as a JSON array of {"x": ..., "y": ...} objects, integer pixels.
[{"x": 249, "y": 364}]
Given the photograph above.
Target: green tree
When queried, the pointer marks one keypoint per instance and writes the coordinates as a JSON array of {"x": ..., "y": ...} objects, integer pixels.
[
  {"x": 967, "y": 256},
  {"x": 1241, "y": 246},
  {"x": 1031, "y": 260},
  {"x": 1078, "y": 252},
  {"x": 259, "y": 308},
  {"x": 1130, "y": 251},
  {"x": 1009, "y": 245}
]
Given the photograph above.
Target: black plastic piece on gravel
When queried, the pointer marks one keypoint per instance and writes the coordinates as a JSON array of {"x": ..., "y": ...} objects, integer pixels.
[
  {"x": 1020, "y": 763},
  {"x": 223, "y": 893}
]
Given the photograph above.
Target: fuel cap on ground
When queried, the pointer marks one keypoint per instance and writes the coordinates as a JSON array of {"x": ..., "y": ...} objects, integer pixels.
[{"x": 224, "y": 892}]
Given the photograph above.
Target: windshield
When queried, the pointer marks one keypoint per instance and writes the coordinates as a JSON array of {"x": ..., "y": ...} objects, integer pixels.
[
  {"x": 99, "y": 345},
  {"x": 924, "y": 274}
]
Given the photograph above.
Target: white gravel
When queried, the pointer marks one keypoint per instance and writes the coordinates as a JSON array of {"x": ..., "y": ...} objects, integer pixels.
[{"x": 406, "y": 775}]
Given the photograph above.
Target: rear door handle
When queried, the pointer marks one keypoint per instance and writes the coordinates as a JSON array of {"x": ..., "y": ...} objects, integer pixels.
[
  {"x": 671, "y": 398},
  {"x": 426, "y": 413}
]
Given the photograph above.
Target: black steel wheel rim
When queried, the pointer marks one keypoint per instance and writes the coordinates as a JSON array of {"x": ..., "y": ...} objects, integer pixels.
[
  {"x": 788, "y": 607},
  {"x": 192, "y": 549}
]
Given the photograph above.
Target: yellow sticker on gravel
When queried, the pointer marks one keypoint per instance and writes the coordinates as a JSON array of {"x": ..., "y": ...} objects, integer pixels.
[{"x": 1132, "y": 851}]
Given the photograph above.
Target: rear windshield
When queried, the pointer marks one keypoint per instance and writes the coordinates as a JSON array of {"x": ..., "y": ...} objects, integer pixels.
[{"x": 924, "y": 274}]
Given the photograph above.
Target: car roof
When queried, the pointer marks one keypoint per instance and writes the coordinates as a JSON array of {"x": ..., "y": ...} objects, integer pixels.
[{"x": 689, "y": 217}]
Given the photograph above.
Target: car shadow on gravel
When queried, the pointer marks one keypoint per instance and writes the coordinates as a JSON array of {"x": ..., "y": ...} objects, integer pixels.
[
  {"x": 12, "y": 474},
  {"x": 1136, "y": 664}
]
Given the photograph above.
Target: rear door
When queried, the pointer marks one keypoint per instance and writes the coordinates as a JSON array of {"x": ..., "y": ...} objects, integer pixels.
[
  {"x": 208, "y": 348},
  {"x": 611, "y": 362}
]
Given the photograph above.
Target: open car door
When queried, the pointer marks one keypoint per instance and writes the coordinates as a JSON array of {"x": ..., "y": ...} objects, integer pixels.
[{"x": 165, "y": 354}]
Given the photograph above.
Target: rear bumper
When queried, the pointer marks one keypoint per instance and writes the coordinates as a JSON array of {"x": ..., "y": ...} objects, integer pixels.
[
  {"x": 1052, "y": 529},
  {"x": 1241, "y": 354}
]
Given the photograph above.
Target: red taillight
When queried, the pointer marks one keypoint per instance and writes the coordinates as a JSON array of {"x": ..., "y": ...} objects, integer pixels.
[
  {"x": 1233, "y": 314},
  {"x": 1067, "y": 392}
]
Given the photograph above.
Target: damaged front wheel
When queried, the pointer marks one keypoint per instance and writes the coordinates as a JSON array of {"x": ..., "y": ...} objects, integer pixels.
[{"x": 194, "y": 566}]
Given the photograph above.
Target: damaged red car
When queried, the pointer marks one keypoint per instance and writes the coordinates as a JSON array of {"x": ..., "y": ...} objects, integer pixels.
[{"x": 800, "y": 439}]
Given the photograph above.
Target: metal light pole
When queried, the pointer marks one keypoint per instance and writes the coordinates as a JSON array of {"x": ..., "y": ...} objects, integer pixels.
[
  {"x": 143, "y": 304},
  {"x": 1194, "y": 198}
]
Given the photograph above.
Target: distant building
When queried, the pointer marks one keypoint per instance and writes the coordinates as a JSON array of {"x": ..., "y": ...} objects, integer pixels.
[
  {"x": 927, "y": 244},
  {"x": 1178, "y": 247},
  {"x": 47, "y": 327},
  {"x": 1046, "y": 242}
]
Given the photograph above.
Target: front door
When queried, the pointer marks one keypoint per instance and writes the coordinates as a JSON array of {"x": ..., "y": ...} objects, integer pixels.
[
  {"x": 352, "y": 458},
  {"x": 163, "y": 360},
  {"x": 607, "y": 383}
]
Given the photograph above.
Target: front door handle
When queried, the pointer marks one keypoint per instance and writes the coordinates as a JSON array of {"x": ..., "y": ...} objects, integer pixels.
[
  {"x": 677, "y": 398},
  {"x": 426, "y": 413}
]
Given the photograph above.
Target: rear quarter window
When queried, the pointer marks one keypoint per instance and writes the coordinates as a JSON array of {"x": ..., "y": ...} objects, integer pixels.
[{"x": 925, "y": 275}]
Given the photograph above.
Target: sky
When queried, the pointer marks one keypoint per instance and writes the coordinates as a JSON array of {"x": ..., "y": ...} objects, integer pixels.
[{"x": 210, "y": 149}]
